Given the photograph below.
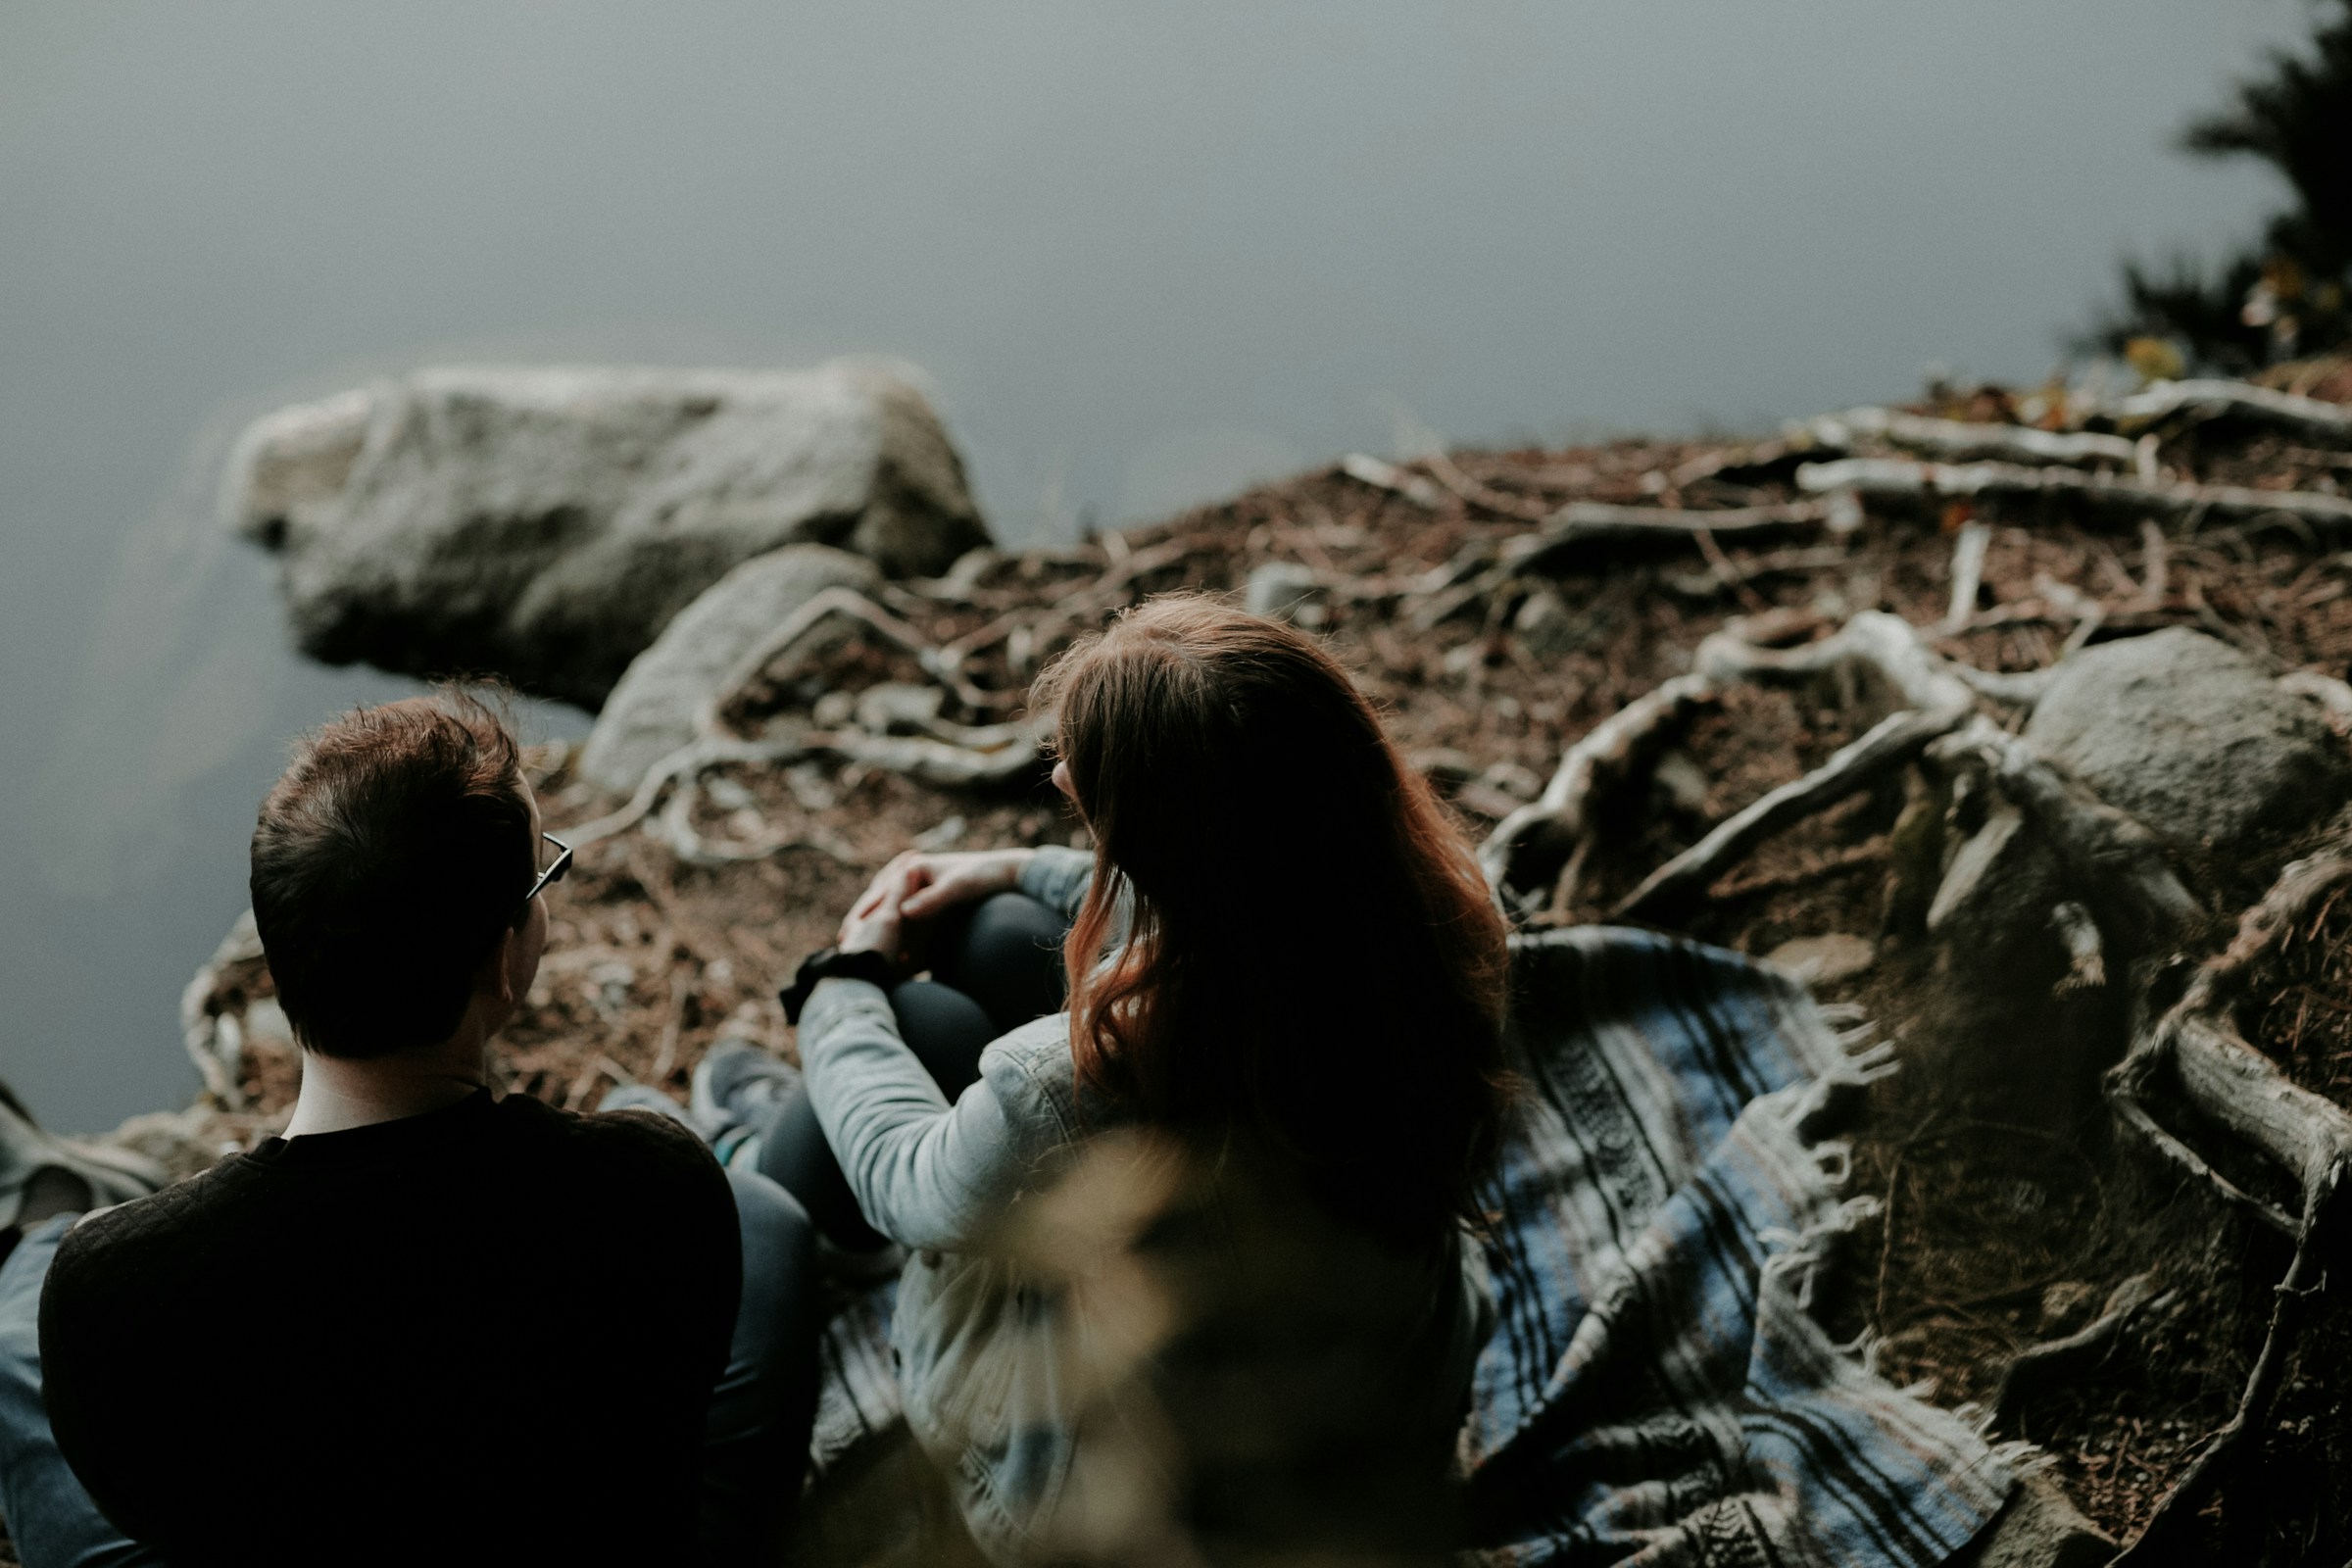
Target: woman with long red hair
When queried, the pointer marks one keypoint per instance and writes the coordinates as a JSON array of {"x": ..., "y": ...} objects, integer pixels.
[{"x": 1190, "y": 1263}]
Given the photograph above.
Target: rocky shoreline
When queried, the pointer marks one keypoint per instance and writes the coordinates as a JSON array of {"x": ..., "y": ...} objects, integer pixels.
[{"x": 1658, "y": 677}]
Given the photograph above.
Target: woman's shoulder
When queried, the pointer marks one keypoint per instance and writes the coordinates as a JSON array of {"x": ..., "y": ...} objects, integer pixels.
[{"x": 1031, "y": 1064}]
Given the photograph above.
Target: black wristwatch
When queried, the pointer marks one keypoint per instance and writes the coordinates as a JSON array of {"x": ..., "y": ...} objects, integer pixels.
[{"x": 831, "y": 963}]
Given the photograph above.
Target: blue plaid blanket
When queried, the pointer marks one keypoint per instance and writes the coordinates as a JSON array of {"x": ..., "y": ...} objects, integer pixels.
[{"x": 1657, "y": 1390}]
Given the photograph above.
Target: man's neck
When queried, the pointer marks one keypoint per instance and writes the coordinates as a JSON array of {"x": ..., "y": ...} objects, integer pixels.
[{"x": 340, "y": 1092}]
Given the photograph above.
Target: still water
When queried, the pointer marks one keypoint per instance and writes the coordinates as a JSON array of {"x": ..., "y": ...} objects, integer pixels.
[{"x": 1149, "y": 253}]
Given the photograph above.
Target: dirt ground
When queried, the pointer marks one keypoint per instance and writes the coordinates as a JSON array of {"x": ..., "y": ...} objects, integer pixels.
[{"x": 1994, "y": 1236}]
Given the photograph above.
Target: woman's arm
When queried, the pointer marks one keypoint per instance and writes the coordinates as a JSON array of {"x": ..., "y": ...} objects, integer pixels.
[
  {"x": 1058, "y": 878},
  {"x": 926, "y": 1174}
]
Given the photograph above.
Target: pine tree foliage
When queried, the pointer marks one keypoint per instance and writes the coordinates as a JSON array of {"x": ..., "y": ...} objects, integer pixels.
[{"x": 2288, "y": 294}]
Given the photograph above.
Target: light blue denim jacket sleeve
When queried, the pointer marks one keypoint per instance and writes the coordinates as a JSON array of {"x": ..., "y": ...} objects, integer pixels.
[
  {"x": 928, "y": 1174},
  {"x": 1058, "y": 878}
]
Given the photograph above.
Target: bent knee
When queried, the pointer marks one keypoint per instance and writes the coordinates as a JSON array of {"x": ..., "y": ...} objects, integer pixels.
[{"x": 1008, "y": 926}]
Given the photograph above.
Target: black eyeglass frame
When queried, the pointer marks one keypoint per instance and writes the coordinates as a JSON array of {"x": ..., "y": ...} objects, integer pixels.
[{"x": 553, "y": 873}]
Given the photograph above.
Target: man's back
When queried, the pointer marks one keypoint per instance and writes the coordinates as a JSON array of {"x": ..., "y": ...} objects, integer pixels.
[{"x": 488, "y": 1333}]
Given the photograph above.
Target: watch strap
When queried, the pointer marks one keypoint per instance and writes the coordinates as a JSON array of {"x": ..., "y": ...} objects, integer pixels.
[{"x": 831, "y": 963}]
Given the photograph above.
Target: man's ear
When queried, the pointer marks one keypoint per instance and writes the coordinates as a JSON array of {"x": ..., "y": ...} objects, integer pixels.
[{"x": 498, "y": 979}]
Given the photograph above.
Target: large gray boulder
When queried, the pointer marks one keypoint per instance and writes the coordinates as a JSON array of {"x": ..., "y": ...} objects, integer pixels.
[
  {"x": 652, "y": 711},
  {"x": 544, "y": 523},
  {"x": 2190, "y": 738},
  {"x": 2195, "y": 740}
]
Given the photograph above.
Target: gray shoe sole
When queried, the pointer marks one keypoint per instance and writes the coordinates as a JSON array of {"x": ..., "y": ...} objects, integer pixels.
[{"x": 742, "y": 1065}]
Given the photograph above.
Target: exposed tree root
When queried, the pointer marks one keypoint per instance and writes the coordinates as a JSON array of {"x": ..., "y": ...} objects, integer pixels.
[
  {"x": 1026, "y": 633},
  {"x": 1893, "y": 742},
  {"x": 952, "y": 756},
  {"x": 2264, "y": 927},
  {"x": 2334, "y": 695},
  {"x": 2164, "y": 1538},
  {"x": 2122, "y": 864},
  {"x": 1873, "y": 648},
  {"x": 1529, "y": 846},
  {"x": 1904, "y": 479},
  {"x": 2032, "y": 1368},
  {"x": 2306, "y": 418},
  {"x": 1960, "y": 441},
  {"x": 2185, "y": 1070}
]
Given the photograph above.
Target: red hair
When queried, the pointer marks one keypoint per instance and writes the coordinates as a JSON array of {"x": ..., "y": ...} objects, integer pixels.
[{"x": 1312, "y": 963}]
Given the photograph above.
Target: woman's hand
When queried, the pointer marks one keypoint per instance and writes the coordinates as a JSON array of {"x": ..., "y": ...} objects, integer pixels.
[
  {"x": 875, "y": 925},
  {"x": 932, "y": 883},
  {"x": 916, "y": 886}
]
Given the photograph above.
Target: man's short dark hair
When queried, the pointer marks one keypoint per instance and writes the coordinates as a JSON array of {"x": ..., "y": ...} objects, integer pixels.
[{"x": 387, "y": 861}]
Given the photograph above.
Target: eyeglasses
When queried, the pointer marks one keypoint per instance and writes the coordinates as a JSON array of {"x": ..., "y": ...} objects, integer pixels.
[{"x": 555, "y": 869}]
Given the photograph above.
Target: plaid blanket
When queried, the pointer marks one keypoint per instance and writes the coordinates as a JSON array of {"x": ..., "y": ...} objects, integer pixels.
[{"x": 1656, "y": 1391}]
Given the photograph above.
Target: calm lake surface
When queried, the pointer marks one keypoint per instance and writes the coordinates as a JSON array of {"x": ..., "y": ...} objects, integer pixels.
[{"x": 1149, "y": 253}]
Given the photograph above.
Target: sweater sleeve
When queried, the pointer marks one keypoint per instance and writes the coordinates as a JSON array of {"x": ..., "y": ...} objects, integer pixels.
[{"x": 925, "y": 1173}]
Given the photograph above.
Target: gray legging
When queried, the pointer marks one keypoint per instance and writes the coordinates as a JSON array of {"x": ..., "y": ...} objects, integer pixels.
[{"x": 756, "y": 1437}]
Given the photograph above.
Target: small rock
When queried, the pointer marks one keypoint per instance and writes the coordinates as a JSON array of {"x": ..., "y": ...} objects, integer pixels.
[
  {"x": 728, "y": 793},
  {"x": 2067, "y": 1306},
  {"x": 1511, "y": 778},
  {"x": 2039, "y": 1527},
  {"x": 1442, "y": 765},
  {"x": 1822, "y": 960},
  {"x": 1463, "y": 660},
  {"x": 894, "y": 707},
  {"x": 941, "y": 836},
  {"x": 1547, "y": 627},
  {"x": 1279, "y": 590},
  {"x": 1685, "y": 782},
  {"x": 834, "y": 709},
  {"x": 1486, "y": 799},
  {"x": 2192, "y": 738},
  {"x": 810, "y": 787}
]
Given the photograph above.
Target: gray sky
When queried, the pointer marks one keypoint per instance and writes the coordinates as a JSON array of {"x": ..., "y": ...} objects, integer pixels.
[{"x": 1148, "y": 251}]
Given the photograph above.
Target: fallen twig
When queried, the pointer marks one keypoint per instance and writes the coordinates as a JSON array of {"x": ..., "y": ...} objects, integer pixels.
[
  {"x": 1389, "y": 478},
  {"x": 1482, "y": 495},
  {"x": 1593, "y": 525},
  {"x": 1967, "y": 574}
]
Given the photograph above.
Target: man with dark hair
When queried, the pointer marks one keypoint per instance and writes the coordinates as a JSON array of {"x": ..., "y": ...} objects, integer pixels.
[{"x": 424, "y": 1325}]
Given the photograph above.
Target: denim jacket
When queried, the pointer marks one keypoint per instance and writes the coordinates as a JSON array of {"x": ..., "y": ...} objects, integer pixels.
[{"x": 1102, "y": 1343}]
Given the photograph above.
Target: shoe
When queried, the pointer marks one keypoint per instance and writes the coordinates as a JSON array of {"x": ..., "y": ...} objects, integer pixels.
[
  {"x": 738, "y": 1087},
  {"x": 113, "y": 1175}
]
